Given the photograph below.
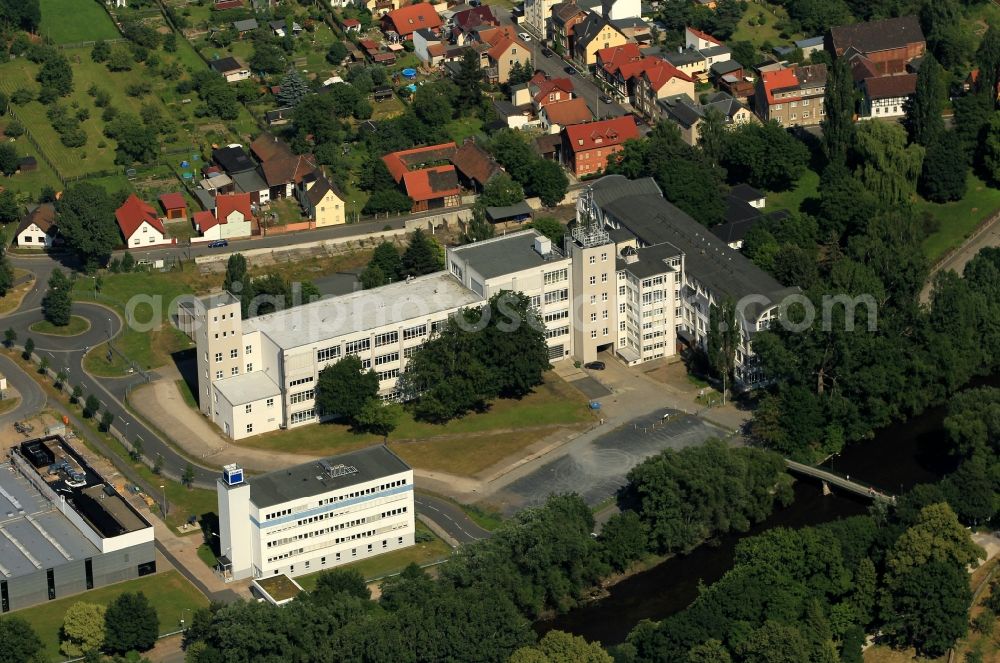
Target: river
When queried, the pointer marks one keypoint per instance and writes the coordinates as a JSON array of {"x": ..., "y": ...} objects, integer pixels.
[{"x": 897, "y": 458}]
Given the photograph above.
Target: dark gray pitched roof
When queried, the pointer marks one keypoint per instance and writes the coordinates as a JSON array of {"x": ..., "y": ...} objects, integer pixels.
[
  {"x": 224, "y": 65},
  {"x": 745, "y": 192},
  {"x": 877, "y": 36},
  {"x": 588, "y": 29},
  {"x": 654, "y": 220}
]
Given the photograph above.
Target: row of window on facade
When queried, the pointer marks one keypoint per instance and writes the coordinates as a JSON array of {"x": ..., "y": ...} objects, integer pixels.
[{"x": 354, "y": 553}]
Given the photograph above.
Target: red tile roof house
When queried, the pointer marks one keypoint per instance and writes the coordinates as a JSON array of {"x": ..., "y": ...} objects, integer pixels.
[
  {"x": 233, "y": 218},
  {"x": 281, "y": 167},
  {"x": 609, "y": 64},
  {"x": 426, "y": 175},
  {"x": 566, "y": 113},
  {"x": 407, "y": 20},
  {"x": 587, "y": 147},
  {"x": 174, "y": 206},
  {"x": 140, "y": 225},
  {"x": 541, "y": 91},
  {"x": 658, "y": 80}
]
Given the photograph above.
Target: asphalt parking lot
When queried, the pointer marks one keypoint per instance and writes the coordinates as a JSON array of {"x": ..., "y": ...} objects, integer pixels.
[{"x": 597, "y": 468}]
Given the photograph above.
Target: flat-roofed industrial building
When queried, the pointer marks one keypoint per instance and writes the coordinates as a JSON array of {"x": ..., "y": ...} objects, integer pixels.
[{"x": 63, "y": 528}]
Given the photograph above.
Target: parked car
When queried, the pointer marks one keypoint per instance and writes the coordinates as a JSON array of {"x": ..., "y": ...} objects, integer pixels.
[
  {"x": 218, "y": 243},
  {"x": 594, "y": 365},
  {"x": 524, "y": 36},
  {"x": 569, "y": 70},
  {"x": 605, "y": 99},
  {"x": 547, "y": 52}
]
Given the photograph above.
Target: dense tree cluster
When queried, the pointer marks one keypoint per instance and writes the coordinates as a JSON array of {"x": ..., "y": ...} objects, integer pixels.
[
  {"x": 422, "y": 256},
  {"x": 480, "y": 354},
  {"x": 479, "y": 608},
  {"x": 537, "y": 176},
  {"x": 811, "y": 594},
  {"x": 686, "y": 175}
]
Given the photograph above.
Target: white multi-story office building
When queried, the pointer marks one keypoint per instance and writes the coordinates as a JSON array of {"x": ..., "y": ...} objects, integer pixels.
[
  {"x": 316, "y": 515},
  {"x": 523, "y": 262},
  {"x": 636, "y": 277},
  {"x": 259, "y": 374}
]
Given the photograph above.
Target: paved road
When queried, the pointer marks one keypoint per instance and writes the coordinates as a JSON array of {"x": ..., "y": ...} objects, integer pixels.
[
  {"x": 32, "y": 397},
  {"x": 113, "y": 392},
  {"x": 450, "y": 517},
  {"x": 597, "y": 469},
  {"x": 583, "y": 84}
]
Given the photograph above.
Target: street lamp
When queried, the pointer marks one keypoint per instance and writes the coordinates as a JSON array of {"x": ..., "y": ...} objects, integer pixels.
[
  {"x": 164, "y": 489},
  {"x": 109, "y": 328}
]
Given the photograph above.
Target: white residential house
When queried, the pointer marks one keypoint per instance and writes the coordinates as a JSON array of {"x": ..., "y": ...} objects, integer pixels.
[
  {"x": 140, "y": 225},
  {"x": 38, "y": 228},
  {"x": 233, "y": 218}
]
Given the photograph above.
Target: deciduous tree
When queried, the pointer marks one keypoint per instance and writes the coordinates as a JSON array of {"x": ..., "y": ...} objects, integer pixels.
[
  {"x": 87, "y": 223},
  {"x": 839, "y": 105},
  {"x": 82, "y": 629},
  {"x": 422, "y": 255},
  {"x": 20, "y": 642},
  {"x": 344, "y": 388},
  {"x": 924, "y": 108},
  {"x": 130, "y": 623},
  {"x": 57, "y": 304}
]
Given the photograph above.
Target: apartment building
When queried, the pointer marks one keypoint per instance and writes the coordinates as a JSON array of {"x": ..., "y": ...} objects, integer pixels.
[
  {"x": 662, "y": 250},
  {"x": 792, "y": 96},
  {"x": 316, "y": 515},
  {"x": 67, "y": 530}
]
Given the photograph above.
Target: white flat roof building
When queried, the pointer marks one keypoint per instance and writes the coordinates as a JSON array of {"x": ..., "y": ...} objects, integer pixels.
[{"x": 316, "y": 515}]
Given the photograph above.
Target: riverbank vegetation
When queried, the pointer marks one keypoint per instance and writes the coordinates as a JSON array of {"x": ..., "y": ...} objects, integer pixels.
[
  {"x": 481, "y": 605},
  {"x": 873, "y": 354}
]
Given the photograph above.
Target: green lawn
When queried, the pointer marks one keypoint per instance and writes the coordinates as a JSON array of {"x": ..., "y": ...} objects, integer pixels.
[
  {"x": 464, "y": 446},
  {"x": 173, "y": 597},
  {"x": 758, "y": 34},
  {"x": 958, "y": 219},
  {"x": 393, "y": 562},
  {"x": 76, "y": 326},
  {"x": 71, "y": 21},
  {"x": 153, "y": 293},
  {"x": 460, "y": 129},
  {"x": 807, "y": 187},
  {"x": 31, "y": 182}
]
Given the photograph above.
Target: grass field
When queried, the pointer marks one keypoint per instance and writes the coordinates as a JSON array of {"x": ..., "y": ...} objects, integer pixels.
[
  {"x": 168, "y": 592},
  {"x": 76, "y": 326},
  {"x": 466, "y": 445},
  {"x": 391, "y": 562},
  {"x": 807, "y": 187},
  {"x": 31, "y": 182},
  {"x": 153, "y": 293},
  {"x": 958, "y": 219},
  {"x": 71, "y": 21},
  {"x": 759, "y": 34}
]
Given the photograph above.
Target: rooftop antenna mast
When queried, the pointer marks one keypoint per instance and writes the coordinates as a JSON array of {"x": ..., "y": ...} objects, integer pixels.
[{"x": 588, "y": 231}]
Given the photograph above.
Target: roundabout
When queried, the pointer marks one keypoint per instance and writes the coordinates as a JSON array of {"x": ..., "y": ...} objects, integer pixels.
[{"x": 77, "y": 326}]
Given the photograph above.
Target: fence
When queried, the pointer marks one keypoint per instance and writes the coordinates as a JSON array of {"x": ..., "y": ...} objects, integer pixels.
[
  {"x": 81, "y": 44},
  {"x": 31, "y": 139}
]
